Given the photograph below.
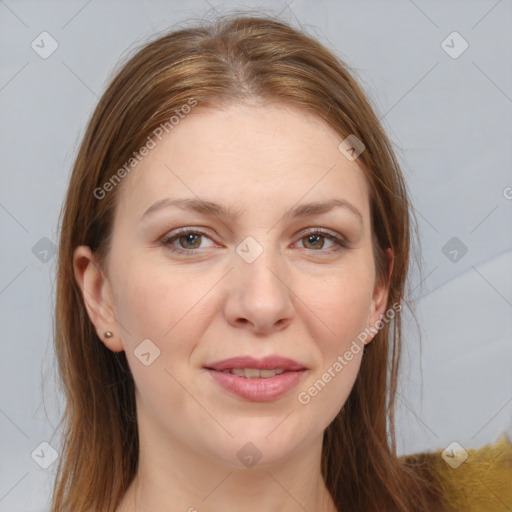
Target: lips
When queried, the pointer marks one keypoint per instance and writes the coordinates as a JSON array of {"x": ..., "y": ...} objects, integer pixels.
[
  {"x": 257, "y": 380},
  {"x": 266, "y": 363}
]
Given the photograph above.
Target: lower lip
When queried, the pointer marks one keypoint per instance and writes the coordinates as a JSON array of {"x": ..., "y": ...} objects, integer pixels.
[{"x": 259, "y": 389}]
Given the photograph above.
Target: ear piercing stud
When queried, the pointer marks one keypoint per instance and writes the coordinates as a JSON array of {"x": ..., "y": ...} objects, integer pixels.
[{"x": 108, "y": 334}]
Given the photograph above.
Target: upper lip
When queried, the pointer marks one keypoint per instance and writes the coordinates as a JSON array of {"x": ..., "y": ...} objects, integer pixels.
[{"x": 265, "y": 363}]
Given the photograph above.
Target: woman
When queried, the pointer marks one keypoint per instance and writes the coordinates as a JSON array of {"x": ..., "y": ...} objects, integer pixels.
[{"x": 234, "y": 247}]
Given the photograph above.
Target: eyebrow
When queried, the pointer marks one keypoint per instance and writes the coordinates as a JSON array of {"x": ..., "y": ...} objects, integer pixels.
[{"x": 217, "y": 210}]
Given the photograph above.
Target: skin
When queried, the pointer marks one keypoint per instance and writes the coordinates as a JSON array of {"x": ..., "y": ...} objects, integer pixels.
[{"x": 301, "y": 298}]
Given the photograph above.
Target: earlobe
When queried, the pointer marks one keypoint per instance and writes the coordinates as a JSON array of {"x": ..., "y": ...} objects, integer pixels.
[{"x": 97, "y": 296}]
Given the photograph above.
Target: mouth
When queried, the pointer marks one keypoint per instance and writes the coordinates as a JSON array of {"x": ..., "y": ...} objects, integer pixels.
[
  {"x": 257, "y": 380},
  {"x": 254, "y": 373}
]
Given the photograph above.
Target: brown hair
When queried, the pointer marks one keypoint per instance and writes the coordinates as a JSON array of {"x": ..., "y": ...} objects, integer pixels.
[{"x": 234, "y": 59}]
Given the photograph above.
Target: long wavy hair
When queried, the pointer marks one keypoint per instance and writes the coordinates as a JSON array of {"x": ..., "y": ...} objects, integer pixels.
[{"x": 235, "y": 58}]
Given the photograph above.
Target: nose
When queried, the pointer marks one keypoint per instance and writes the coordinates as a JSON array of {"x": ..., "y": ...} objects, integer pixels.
[{"x": 259, "y": 296}]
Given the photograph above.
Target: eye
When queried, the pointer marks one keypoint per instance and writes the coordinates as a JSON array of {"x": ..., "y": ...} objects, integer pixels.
[
  {"x": 184, "y": 241},
  {"x": 316, "y": 240},
  {"x": 188, "y": 241}
]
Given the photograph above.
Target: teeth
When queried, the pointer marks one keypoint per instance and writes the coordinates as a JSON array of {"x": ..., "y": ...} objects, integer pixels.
[
  {"x": 255, "y": 373},
  {"x": 251, "y": 373}
]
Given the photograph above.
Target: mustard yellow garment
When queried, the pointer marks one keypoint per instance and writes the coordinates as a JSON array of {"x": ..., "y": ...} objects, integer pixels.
[{"x": 482, "y": 483}]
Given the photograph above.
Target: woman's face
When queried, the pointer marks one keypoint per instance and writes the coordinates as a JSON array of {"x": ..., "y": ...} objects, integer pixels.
[{"x": 250, "y": 277}]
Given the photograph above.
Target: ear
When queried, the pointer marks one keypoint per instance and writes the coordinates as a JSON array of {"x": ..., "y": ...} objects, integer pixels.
[
  {"x": 97, "y": 296},
  {"x": 380, "y": 295}
]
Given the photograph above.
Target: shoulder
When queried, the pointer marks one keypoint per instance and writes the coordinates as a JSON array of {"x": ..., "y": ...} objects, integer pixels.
[{"x": 472, "y": 480}]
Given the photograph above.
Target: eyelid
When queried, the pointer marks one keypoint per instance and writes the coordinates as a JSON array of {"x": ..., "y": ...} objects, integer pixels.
[{"x": 323, "y": 231}]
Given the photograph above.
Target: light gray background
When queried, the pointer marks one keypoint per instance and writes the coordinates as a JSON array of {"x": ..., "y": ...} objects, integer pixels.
[{"x": 450, "y": 121}]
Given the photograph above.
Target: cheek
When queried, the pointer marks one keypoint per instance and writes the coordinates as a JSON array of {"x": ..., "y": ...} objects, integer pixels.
[
  {"x": 341, "y": 305},
  {"x": 168, "y": 309},
  {"x": 172, "y": 309},
  {"x": 155, "y": 301}
]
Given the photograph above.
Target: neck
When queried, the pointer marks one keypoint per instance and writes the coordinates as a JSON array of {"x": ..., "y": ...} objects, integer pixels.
[
  {"x": 175, "y": 476},
  {"x": 269, "y": 490}
]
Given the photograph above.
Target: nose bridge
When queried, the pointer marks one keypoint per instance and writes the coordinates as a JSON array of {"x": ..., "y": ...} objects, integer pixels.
[
  {"x": 258, "y": 263},
  {"x": 257, "y": 292}
]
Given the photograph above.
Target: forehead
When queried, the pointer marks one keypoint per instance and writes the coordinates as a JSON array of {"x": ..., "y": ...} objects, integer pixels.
[{"x": 267, "y": 155}]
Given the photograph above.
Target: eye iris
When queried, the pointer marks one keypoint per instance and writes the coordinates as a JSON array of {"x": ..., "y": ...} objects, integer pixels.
[
  {"x": 315, "y": 239},
  {"x": 190, "y": 238}
]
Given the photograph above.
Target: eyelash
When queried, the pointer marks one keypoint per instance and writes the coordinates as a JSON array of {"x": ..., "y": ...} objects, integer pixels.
[{"x": 167, "y": 240}]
